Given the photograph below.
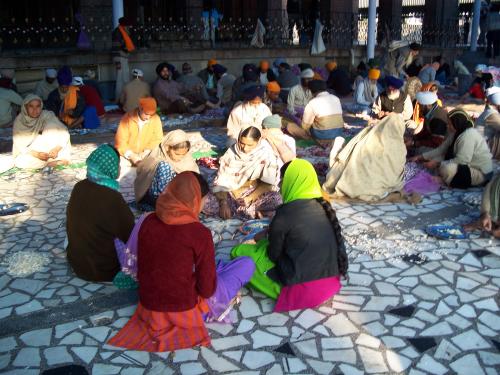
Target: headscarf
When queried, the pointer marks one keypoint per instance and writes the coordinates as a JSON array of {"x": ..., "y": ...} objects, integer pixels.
[
  {"x": 237, "y": 167},
  {"x": 103, "y": 167},
  {"x": 26, "y": 128},
  {"x": 300, "y": 182},
  {"x": 461, "y": 122},
  {"x": 64, "y": 76},
  {"x": 180, "y": 202},
  {"x": 147, "y": 168}
]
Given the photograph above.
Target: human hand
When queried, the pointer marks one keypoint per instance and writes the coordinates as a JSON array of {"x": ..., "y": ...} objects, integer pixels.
[
  {"x": 44, "y": 156},
  {"x": 54, "y": 152},
  {"x": 431, "y": 164},
  {"x": 381, "y": 114},
  {"x": 416, "y": 158},
  {"x": 486, "y": 223},
  {"x": 260, "y": 235},
  {"x": 224, "y": 210},
  {"x": 135, "y": 159}
]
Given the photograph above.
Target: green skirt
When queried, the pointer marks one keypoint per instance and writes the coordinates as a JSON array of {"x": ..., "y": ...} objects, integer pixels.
[{"x": 259, "y": 280}]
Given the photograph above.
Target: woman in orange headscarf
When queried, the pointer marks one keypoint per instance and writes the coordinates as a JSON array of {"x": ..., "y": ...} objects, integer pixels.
[
  {"x": 417, "y": 117},
  {"x": 180, "y": 285}
]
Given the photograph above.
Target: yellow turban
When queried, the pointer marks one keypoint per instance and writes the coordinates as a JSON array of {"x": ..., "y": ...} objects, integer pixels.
[
  {"x": 374, "y": 74},
  {"x": 331, "y": 65},
  {"x": 273, "y": 87}
]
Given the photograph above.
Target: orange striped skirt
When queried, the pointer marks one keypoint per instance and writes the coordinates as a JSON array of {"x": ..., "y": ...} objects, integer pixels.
[{"x": 155, "y": 331}]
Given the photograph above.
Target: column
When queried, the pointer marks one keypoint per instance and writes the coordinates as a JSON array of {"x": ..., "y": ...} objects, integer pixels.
[
  {"x": 343, "y": 23},
  {"x": 389, "y": 19},
  {"x": 372, "y": 27},
  {"x": 278, "y": 28},
  {"x": 475, "y": 25},
  {"x": 117, "y": 11},
  {"x": 440, "y": 27}
]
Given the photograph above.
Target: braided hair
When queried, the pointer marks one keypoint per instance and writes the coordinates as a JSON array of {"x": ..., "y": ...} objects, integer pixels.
[{"x": 342, "y": 259}]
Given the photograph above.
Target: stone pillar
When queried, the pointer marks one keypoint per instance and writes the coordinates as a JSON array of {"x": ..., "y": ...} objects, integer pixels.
[
  {"x": 343, "y": 23},
  {"x": 389, "y": 20},
  {"x": 194, "y": 9},
  {"x": 278, "y": 28},
  {"x": 475, "y": 25},
  {"x": 440, "y": 27},
  {"x": 372, "y": 26},
  {"x": 117, "y": 11}
]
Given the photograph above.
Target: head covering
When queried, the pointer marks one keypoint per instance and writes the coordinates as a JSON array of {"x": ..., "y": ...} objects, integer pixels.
[
  {"x": 211, "y": 62},
  {"x": 148, "y": 105},
  {"x": 374, "y": 74},
  {"x": 461, "y": 121},
  {"x": 415, "y": 46},
  {"x": 103, "y": 167},
  {"x": 7, "y": 73},
  {"x": 90, "y": 74},
  {"x": 307, "y": 73},
  {"x": 180, "y": 203},
  {"x": 300, "y": 182},
  {"x": 147, "y": 168},
  {"x": 278, "y": 62},
  {"x": 317, "y": 85},
  {"x": 480, "y": 68},
  {"x": 304, "y": 66},
  {"x": 426, "y": 97},
  {"x": 272, "y": 122},
  {"x": 373, "y": 63},
  {"x": 137, "y": 72},
  {"x": 273, "y": 86},
  {"x": 252, "y": 92},
  {"x": 219, "y": 69},
  {"x": 361, "y": 66},
  {"x": 394, "y": 82},
  {"x": 492, "y": 90},
  {"x": 494, "y": 98},
  {"x": 64, "y": 76},
  {"x": 124, "y": 21},
  {"x": 160, "y": 67},
  {"x": 285, "y": 66},
  {"x": 186, "y": 68},
  {"x": 50, "y": 73},
  {"x": 26, "y": 128},
  {"x": 77, "y": 81},
  {"x": 250, "y": 73},
  {"x": 264, "y": 65},
  {"x": 331, "y": 65}
]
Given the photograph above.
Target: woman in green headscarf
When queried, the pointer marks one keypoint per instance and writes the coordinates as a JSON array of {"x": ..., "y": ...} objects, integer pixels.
[
  {"x": 301, "y": 260},
  {"x": 95, "y": 216}
]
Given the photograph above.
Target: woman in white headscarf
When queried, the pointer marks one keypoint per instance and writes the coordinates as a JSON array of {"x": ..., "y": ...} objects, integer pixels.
[
  {"x": 171, "y": 157},
  {"x": 39, "y": 138}
]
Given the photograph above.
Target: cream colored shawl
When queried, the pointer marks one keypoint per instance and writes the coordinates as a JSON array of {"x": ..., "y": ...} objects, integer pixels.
[
  {"x": 147, "y": 168},
  {"x": 27, "y": 128},
  {"x": 371, "y": 165}
]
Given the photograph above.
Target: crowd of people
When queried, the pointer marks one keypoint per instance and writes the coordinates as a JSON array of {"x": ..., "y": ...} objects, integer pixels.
[{"x": 300, "y": 259}]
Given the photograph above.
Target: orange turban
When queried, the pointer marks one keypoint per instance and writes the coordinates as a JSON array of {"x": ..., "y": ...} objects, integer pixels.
[
  {"x": 264, "y": 65},
  {"x": 273, "y": 87},
  {"x": 211, "y": 62},
  {"x": 374, "y": 74},
  {"x": 318, "y": 76},
  {"x": 331, "y": 65},
  {"x": 148, "y": 105}
]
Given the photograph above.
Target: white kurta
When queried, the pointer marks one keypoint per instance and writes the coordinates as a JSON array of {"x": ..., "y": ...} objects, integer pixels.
[{"x": 244, "y": 115}]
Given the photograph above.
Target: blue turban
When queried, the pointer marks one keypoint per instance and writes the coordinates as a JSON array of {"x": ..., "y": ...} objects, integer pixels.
[
  {"x": 64, "y": 76},
  {"x": 252, "y": 92},
  {"x": 219, "y": 69},
  {"x": 394, "y": 82}
]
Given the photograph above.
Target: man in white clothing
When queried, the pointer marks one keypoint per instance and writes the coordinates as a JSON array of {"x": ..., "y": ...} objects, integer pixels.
[
  {"x": 44, "y": 87},
  {"x": 300, "y": 94}
]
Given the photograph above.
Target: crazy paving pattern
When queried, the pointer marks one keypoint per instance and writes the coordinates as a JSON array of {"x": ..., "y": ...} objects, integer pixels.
[{"x": 413, "y": 304}]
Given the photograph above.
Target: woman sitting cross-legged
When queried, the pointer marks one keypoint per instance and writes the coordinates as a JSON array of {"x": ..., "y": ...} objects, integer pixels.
[
  {"x": 180, "y": 285},
  {"x": 247, "y": 181},
  {"x": 463, "y": 159},
  {"x": 96, "y": 215},
  {"x": 303, "y": 257},
  {"x": 39, "y": 138},
  {"x": 154, "y": 173}
]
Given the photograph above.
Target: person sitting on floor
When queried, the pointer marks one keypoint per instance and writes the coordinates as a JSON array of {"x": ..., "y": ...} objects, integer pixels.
[
  {"x": 134, "y": 90},
  {"x": 170, "y": 94},
  {"x": 180, "y": 285},
  {"x": 370, "y": 167},
  {"x": 66, "y": 101},
  {"x": 393, "y": 100},
  {"x": 266, "y": 74},
  {"x": 283, "y": 145},
  {"x": 366, "y": 92},
  {"x": 428, "y": 74},
  {"x": 490, "y": 119},
  {"x": 286, "y": 79},
  {"x": 490, "y": 207},
  {"x": 431, "y": 131},
  {"x": 225, "y": 82},
  {"x": 89, "y": 79},
  {"x": 300, "y": 94},
  {"x": 10, "y": 102},
  {"x": 477, "y": 90},
  {"x": 39, "y": 138},
  {"x": 338, "y": 80},
  {"x": 247, "y": 179},
  {"x": 208, "y": 77},
  {"x": 249, "y": 113},
  {"x": 96, "y": 215},
  {"x": 193, "y": 84},
  {"x": 463, "y": 159},
  {"x": 249, "y": 78},
  {"x": 168, "y": 159},
  {"x": 139, "y": 132},
  {"x": 94, "y": 108},
  {"x": 272, "y": 98},
  {"x": 44, "y": 87},
  {"x": 303, "y": 257}
]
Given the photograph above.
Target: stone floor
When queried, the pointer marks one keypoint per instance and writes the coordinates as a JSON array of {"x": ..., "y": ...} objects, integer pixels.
[{"x": 413, "y": 304}]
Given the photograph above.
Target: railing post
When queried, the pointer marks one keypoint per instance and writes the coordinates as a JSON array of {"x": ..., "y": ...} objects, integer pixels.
[
  {"x": 117, "y": 11},
  {"x": 372, "y": 29},
  {"x": 475, "y": 25}
]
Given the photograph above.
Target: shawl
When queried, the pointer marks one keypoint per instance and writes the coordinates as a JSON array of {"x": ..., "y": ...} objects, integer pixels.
[
  {"x": 368, "y": 92},
  {"x": 129, "y": 45},
  {"x": 236, "y": 167},
  {"x": 69, "y": 103},
  {"x": 371, "y": 165},
  {"x": 26, "y": 128},
  {"x": 180, "y": 203},
  {"x": 300, "y": 182},
  {"x": 147, "y": 168},
  {"x": 103, "y": 167}
]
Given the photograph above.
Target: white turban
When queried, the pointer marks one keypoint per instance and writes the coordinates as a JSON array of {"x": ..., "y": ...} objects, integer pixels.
[
  {"x": 426, "y": 97},
  {"x": 51, "y": 73},
  {"x": 137, "y": 72},
  {"x": 77, "y": 81},
  {"x": 494, "y": 98},
  {"x": 307, "y": 73}
]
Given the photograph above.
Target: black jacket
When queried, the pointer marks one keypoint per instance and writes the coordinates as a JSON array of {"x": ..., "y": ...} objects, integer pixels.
[
  {"x": 339, "y": 82},
  {"x": 54, "y": 103},
  {"x": 302, "y": 243}
]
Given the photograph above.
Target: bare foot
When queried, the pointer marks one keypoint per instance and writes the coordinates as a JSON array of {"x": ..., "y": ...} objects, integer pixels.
[
  {"x": 496, "y": 232},
  {"x": 475, "y": 225},
  {"x": 55, "y": 163}
]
